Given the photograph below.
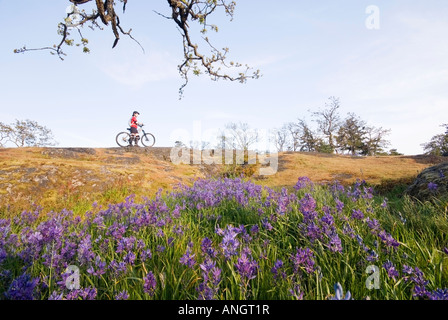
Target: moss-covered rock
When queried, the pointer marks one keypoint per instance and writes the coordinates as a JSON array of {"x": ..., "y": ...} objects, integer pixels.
[{"x": 432, "y": 181}]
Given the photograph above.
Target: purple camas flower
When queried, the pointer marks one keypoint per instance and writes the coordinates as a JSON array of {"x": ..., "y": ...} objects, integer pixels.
[
  {"x": 407, "y": 270},
  {"x": 245, "y": 236},
  {"x": 313, "y": 232},
  {"x": 129, "y": 258},
  {"x": 417, "y": 277},
  {"x": 339, "y": 293},
  {"x": 89, "y": 293},
  {"x": 126, "y": 244},
  {"x": 178, "y": 230},
  {"x": 276, "y": 268},
  {"x": 149, "y": 284},
  {"x": 384, "y": 204},
  {"x": 22, "y": 288},
  {"x": 388, "y": 240},
  {"x": 140, "y": 244},
  {"x": 391, "y": 271},
  {"x": 207, "y": 265},
  {"x": 216, "y": 276},
  {"x": 3, "y": 255},
  {"x": 334, "y": 245},
  {"x": 372, "y": 256},
  {"x": 420, "y": 291},
  {"x": 347, "y": 230},
  {"x": 56, "y": 296},
  {"x": 246, "y": 267},
  {"x": 303, "y": 182},
  {"x": 266, "y": 224},
  {"x": 85, "y": 254},
  {"x": 175, "y": 214},
  {"x": 432, "y": 187},
  {"x": 84, "y": 294},
  {"x": 368, "y": 193},
  {"x": 160, "y": 233},
  {"x": 212, "y": 277},
  {"x": 188, "y": 259},
  {"x": 207, "y": 247},
  {"x": 116, "y": 230},
  {"x": 296, "y": 292},
  {"x": 328, "y": 219},
  {"x": 307, "y": 207},
  {"x": 359, "y": 239},
  {"x": 145, "y": 255},
  {"x": 357, "y": 214},
  {"x": 230, "y": 243},
  {"x": 118, "y": 269},
  {"x": 373, "y": 225},
  {"x": 122, "y": 296},
  {"x": 205, "y": 292},
  {"x": 303, "y": 259},
  {"x": 100, "y": 267},
  {"x": 438, "y": 294},
  {"x": 339, "y": 205},
  {"x": 254, "y": 229}
]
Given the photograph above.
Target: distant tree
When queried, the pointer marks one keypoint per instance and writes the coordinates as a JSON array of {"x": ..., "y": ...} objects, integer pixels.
[
  {"x": 394, "y": 152},
  {"x": 438, "y": 145},
  {"x": 307, "y": 138},
  {"x": 294, "y": 134},
  {"x": 280, "y": 138},
  {"x": 240, "y": 135},
  {"x": 179, "y": 144},
  {"x": 351, "y": 133},
  {"x": 333, "y": 135},
  {"x": 328, "y": 120},
  {"x": 183, "y": 13},
  {"x": 199, "y": 145},
  {"x": 5, "y": 132},
  {"x": 375, "y": 140},
  {"x": 26, "y": 133}
]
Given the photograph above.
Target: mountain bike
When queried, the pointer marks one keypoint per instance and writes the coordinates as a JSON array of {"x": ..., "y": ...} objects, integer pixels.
[{"x": 147, "y": 139}]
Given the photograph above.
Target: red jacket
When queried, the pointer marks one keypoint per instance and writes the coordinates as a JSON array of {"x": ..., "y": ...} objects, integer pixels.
[{"x": 134, "y": 122}]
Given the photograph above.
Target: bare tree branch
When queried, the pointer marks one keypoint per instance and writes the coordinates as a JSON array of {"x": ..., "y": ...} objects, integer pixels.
[{"x": 183, "y": 12}]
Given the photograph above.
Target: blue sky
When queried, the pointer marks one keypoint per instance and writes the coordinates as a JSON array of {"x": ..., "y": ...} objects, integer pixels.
[{"x": 394, "y": 77}]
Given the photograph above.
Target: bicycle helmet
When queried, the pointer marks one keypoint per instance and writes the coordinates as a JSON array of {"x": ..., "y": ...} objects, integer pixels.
[{"x": 135, "y": 112}]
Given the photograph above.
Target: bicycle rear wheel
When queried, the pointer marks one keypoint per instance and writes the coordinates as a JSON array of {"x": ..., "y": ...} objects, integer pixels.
[
  {"x": 148, "y": 140},
  {"x": 122, "y": 139}
]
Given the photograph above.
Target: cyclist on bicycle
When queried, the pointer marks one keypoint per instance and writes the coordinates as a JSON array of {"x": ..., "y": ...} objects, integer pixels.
[{"x": 133, "y": 123}]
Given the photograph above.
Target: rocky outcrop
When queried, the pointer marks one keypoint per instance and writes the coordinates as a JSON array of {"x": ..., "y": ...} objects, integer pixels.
[{"x": 432, "y": 181}]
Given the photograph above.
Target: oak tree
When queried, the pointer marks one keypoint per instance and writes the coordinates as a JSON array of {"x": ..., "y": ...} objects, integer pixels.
[{"x": 183, "y": 13}]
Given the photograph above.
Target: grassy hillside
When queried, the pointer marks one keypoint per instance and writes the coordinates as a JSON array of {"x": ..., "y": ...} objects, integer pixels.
[
  {"x": 57, "y": 178},
  {"x": 226, "y": 239}
]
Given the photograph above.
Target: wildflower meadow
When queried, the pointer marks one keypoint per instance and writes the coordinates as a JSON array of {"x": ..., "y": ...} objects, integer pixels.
[{"x": 231, "y": 239}]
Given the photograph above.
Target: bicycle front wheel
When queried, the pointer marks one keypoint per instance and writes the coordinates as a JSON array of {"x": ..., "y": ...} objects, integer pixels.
[
  {"x": 148, "y": 140},
  {"x": 122, "y": 139}
]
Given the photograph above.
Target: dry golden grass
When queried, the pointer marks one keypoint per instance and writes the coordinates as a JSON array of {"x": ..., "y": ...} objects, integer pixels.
[
  {"x": 65, "y": 178},
  {"x": 347, "y": 169},
  {"x": 74, "y": 178}
]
